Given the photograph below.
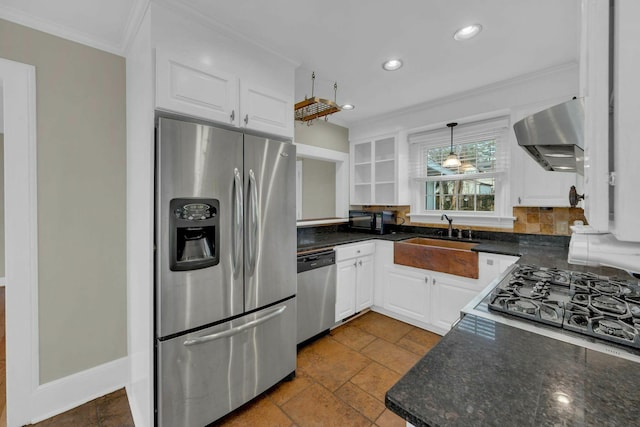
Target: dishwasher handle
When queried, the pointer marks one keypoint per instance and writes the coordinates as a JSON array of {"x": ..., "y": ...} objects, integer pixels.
[{"x": 314, "y": 261}]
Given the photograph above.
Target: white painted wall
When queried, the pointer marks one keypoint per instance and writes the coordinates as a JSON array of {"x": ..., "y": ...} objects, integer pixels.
[
  {"x": 140, "y": 157},
  {"x": 517, "y": 97}
]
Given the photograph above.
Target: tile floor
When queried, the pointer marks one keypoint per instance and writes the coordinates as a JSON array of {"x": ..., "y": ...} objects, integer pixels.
[{"x": 341, "y": 380}]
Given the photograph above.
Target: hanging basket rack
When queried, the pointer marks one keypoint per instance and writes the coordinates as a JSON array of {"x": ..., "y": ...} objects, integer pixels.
[{"x": 314, "y": 107}]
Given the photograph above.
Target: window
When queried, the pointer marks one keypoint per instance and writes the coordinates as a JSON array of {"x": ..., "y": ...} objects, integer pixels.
[
  {"x": 474, "y": 188},
  {"x": 471, "y": 187}
]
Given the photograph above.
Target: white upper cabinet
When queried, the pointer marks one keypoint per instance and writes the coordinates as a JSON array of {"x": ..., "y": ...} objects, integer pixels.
[
  {"x": 377, "y": 176},
  {"x": 197, "y": 89},
  {"x": 265, "y": 110}
]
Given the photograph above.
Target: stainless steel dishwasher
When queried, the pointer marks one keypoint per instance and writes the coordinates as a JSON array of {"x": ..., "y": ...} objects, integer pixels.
[{"x": 316, "y": 293}]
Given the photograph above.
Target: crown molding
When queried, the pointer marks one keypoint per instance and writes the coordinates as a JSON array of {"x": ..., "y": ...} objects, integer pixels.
[
  {"x": 186, "y": 10},
  {"x": 62, "y": 31},
  {"x": 134, "y": 19},
  {"x": 515, "y": 81},
  {"x": 136, "y": 15}
]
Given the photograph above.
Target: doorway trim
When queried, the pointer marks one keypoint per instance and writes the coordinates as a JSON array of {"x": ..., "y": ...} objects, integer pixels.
[{"x": 21, "y": 238}]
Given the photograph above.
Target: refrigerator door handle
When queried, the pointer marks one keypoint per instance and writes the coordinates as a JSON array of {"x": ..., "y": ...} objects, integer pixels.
[
  {"x": 252, "y": 234},
  {"x": 237, "y": 222},
  {"x": 235, "y": 331}
]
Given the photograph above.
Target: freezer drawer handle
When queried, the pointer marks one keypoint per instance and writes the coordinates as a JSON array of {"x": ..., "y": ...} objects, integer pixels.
[
  {"x": 237, "y": 330},
  {"x": 237, "y": 222}
]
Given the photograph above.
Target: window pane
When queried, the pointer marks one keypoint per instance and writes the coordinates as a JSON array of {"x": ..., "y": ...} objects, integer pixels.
[
  {"x": 475, "y": 157},
  {"x": 467, "y": 202},
  {"x": 430, "y": 194},
  {"x": 461, "y": 195},
  {"x": 486, "y": 203}
]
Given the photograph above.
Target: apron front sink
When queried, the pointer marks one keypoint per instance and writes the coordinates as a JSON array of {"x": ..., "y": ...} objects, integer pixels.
[{"x": 445, "y": 256}]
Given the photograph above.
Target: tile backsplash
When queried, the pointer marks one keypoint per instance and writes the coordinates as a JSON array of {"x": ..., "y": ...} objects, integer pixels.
[{"x": 550, "y": 221}]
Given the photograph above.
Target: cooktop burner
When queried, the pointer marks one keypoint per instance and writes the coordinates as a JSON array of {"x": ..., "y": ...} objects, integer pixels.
[{"x": 598, "y": 306}]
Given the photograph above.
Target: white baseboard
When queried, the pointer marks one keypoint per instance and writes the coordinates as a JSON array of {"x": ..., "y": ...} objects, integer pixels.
[{"x": 58, "y": 396}]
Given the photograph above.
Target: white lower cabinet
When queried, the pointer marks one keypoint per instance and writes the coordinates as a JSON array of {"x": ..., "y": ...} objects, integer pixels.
[
  {"x": 407, "y": 292},
  {"x": 492, "y": 265},
  {"x": 429, "y": 299},
  {"x": 354, "y": 279},
  {"x": 345, "y": 289},
  {"x": 448, "y": 296},
  {"x": 364, "y": 283}
]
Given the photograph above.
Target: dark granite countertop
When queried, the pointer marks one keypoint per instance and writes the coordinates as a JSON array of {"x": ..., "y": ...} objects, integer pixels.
[
  {"x": 532, "y": 249},
  {"x": 319, "y": 241},
  {"x": 484, "y": 373}
]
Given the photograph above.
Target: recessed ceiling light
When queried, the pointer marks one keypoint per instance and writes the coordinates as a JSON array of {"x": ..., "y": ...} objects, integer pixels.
[
  {"x": 468, "y": 32},
  {"x": 348, "y": 107},
  {"x": 392, "y": 64}
]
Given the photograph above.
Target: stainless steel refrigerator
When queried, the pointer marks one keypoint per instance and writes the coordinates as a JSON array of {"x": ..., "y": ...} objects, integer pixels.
[{"x": 225, "y": 272}]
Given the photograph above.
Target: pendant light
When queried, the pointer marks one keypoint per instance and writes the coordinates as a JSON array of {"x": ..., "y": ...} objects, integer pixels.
[{"x": 452, "y": 160}]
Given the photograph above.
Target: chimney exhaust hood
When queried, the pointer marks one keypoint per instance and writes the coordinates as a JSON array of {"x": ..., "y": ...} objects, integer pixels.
[{"x": 555, "y": 137}]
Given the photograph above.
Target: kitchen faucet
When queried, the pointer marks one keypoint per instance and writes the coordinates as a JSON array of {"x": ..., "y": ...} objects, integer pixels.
[{"x": 450, "y": 232}]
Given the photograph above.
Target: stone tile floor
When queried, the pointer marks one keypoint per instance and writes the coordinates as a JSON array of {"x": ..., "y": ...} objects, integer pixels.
[{"x": 341, "y": 380}]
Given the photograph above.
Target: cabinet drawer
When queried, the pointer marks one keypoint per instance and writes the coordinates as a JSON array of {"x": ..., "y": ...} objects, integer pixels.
[{"x": 352, "y": 251}]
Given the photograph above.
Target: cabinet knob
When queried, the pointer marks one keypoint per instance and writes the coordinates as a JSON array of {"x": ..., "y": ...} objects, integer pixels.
[
  {"x": 355, "y": 264},
  {"x": 433, "y": 281},
  {"x": 246, "y": 119},
  {"x": 233, "y": 115},
  {"x": 360, "y": 262}
]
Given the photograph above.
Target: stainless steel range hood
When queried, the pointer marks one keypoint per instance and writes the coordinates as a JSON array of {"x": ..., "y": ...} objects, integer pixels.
[{"x": 555, "y": 137}]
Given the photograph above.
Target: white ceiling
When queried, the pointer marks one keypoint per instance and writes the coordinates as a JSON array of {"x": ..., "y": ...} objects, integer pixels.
[{"x": 347, "y": 40}]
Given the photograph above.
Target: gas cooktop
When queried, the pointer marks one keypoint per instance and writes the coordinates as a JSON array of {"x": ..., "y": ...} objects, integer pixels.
[{"x": 597, "y": 306}]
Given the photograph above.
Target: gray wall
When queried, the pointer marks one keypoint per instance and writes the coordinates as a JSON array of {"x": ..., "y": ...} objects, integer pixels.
[
  {"x": 319, "y": 177},
  {"x": 318, "y": 189},
  {"x": 323, "y": 134},
  {"x": 81, "y": 199},
  {"x": 1, "y": 203}
]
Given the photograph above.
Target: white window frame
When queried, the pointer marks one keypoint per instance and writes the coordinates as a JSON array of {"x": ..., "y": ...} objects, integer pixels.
[{"x": 502, "y": 216}]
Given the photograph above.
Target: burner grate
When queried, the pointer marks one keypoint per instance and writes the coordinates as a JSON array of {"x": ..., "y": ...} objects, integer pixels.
[{"x": 601, "y": 307}]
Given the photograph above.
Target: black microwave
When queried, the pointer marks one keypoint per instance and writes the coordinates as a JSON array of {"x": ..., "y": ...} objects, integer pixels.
[{"x": 372, "y": 222}]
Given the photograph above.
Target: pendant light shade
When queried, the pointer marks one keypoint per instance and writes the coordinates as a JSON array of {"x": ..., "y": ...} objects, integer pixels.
[{"x": 452, "y": 161}]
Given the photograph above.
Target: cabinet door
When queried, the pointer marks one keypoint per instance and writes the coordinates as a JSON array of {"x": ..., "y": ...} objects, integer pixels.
[
  {"x": 345, "y": 289},
  {"x": 448, "y": 296},
  {"x": 266, "y": 110},
  {"x": 383, "y": 261},
  {"x": 407, "y": 293},
  {"x": 364, "y": 283},
  {"x": 192, "y": 88},
  {"x": 490, "y": 266}
]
